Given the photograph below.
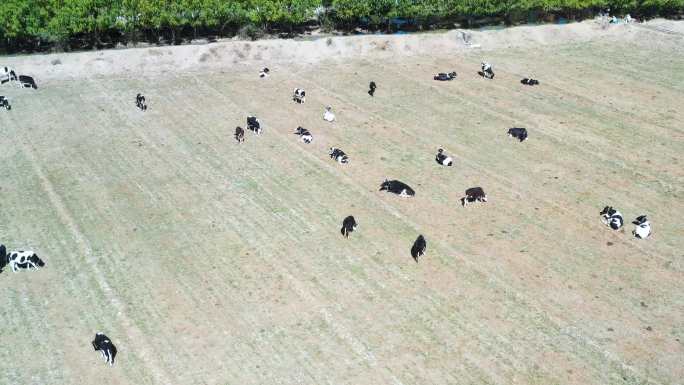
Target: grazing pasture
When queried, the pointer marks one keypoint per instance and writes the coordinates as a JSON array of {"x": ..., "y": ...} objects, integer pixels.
[{"x": 209, "y": 261}]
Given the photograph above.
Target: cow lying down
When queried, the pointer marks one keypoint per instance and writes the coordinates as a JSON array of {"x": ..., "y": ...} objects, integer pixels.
[
  {"x": 442, "y": 76},
  {"x": 304, "y": 135},
  {"x": 103, "y": 344},
  {"x": 530, "y": 82},
  {"x": 611, "y": 217},
  {"x": 338, "y": 155},
  {"x": 397, "y": 187},
  {"x": 474, "y": 194},
  {"x": 643, "y": 227},
  {"x": 519, "y": 133}
]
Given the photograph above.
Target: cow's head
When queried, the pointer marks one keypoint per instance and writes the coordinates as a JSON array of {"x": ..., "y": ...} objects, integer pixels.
[
  {"x": 36, "y": 260},
  {"x": 607, "y": 211},
  {"x": 640, "y": 220},
  {"x": 385, "y": 186}
]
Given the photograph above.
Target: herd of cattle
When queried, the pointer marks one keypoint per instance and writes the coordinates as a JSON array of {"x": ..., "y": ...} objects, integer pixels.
[{"x": 20, "y": 259}]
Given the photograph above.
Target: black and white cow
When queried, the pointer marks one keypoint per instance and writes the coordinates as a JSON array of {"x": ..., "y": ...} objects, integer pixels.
[
  {"x": 611, "y": 217},
  {"x": 27, "y": 82},
  {"x": 530, "y": 82},
  {"x": 4, "y": 102},
  {"x": 643, "y": 227},
  {"x": 418, "y": 248},
  {"x": 253, "y": 124},
  {"x": 519, "y": 133},
  {"x": 338, "y": 155},
  {"x": 106, "y": 347},
  {"x": 239, "y": 134},
  {"x": 348, "y": 225},
  {"x": 474, "y": 194},
  {"x": 7, "y": 75},
  {"x": 299, "y": 95},
  {"x": 371, "y": 88},
  {"x": 264, "y": 73},
  {"x": 487, "y": 71},
  {"x": 140, "y": 102},
  {"x": 20, "y": 259},
  {"x": 444, "y": 77},
  {"x": 304, "y": 135},
  {"x": 397, "y": 187},
  {"x": 443, "y": 159}
]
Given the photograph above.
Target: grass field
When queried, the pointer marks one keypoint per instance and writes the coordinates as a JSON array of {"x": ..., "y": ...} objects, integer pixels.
[{"x": 212, "y": 262}]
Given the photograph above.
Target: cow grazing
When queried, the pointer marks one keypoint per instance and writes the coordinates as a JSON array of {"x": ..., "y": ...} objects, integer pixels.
[
  {"x": 643, "y": 227},
  {"x": 328, "y": 114},
  {"x": 239, "y": 134},
  {"x": 299, "y": 95},
  {"x": 530, "y": 82},
  {"x": 443, "y": 159},
  {"x": 27, "y": 82},
  {"x": 264, "y": 73},
  {"x": 20, "y": 259},
  {"x": 397, "y": 187},
  {"x": 338, "y": 155},
  {"x": 611, "y": 217},
  {"x": 106, "y": 347},
  {"x": 519, "y": 133},
  {"x": 7, "y": 75},
  {"x": 304, "y": 135},
  {"x": 474, "y": 194},
  {"x": 444, "y": 77},
  {"x": 418, "y": 248},
  {"x": 371, "y": 88},
  {"x": 4, "y": 102},
  {"x": 140, "y": 102},
  {"x": 253, "y": 124},
  {"x": 348, "y": 226}
]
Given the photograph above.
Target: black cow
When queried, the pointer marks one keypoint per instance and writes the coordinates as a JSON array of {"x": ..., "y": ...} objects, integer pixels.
[
  {"x": 530, "y": 82},
  {"x": 304, "y": 134},
  {"x": 239, "y": 134},
  {"x": 348, "y": 225},
  {"x": 106, "y": 347},
  {"x": 20, "y": 259},
  {"x": 299, "y": 95},
  {"x": 372, "y": 86},
  {"x": 27, "y": 82},
  {"x": 338, "y": 155},
  {"x": 519, "y": 133},
  {"x": 418, "y": 248},
  {"x": 474, "y": 194},
  {"x": 140, "y": 102},
  {"x": 4, "y": 102},
  {"x": 442, "y": 76},
  {"x": 397, "y": 187},
  {"x": 611, "y": 217},
  {"x": 254, "y": 124},
  {"x": 443, "y": 159}
]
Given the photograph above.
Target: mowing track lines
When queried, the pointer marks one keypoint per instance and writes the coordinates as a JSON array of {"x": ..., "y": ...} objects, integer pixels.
[
  {"x": 326, "y": 165},
  {"x": 551, "y": 203},
  {"x": 587, "y": 341},
  {"x": 202, "y": 170},
  {"x": 473, "y": 330},
  {"x": 185, "y": 280}
]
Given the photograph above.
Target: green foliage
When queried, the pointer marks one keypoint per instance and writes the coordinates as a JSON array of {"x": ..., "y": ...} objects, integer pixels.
[{"x": 30, "y": 23}]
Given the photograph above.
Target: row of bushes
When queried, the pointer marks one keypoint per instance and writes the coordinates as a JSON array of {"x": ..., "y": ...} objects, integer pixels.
[{"x": 68, "y": 24}]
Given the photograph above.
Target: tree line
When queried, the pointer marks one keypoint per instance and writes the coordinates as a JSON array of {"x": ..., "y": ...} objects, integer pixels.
[{"x": 37, "y": 25}]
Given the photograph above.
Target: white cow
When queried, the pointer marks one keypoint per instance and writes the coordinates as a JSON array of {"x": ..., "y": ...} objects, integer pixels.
[{"x": 328, "y": 114}]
